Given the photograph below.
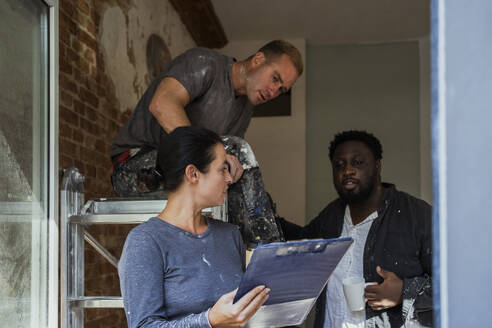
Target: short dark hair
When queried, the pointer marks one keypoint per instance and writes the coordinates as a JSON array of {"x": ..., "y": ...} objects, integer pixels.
[
  {"x": 353, "y": 135},
  {"x": 184, "y": 146},
  {"x": 274, "y": 49}
]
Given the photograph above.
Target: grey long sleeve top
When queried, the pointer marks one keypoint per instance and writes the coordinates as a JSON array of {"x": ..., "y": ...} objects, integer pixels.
[{"x": 171, "y": 278}]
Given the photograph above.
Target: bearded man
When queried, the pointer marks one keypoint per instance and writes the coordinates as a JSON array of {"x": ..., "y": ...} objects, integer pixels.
[{"x": 392, "y": 241}]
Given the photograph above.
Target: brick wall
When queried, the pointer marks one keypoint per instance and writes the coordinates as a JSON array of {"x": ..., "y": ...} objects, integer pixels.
[
  {"x": 89, "y": 120},
  {"x": 100, "y": 83}
]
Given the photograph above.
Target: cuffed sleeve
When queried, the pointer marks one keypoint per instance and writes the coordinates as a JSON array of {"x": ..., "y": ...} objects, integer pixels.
[{"x": 417, "y": 295}]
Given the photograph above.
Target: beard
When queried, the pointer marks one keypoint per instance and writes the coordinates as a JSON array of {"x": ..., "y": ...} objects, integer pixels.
[{"x": 357, "y": 196}]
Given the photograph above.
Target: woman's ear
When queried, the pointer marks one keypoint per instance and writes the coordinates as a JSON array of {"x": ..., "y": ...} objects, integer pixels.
[{"x": 192, "y": 174}]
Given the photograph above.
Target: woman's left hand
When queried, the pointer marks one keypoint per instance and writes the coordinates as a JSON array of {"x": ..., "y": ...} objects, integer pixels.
[{"x": 224, "y": 314}]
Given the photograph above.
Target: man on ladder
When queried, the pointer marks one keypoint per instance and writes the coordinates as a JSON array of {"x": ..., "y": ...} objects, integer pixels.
[{"x": 204, "y": 88}]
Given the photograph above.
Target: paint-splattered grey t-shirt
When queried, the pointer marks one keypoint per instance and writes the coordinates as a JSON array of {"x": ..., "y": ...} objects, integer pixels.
[
  {"x": 171, "y": 278},
  {"x": 207, "y": 76}
]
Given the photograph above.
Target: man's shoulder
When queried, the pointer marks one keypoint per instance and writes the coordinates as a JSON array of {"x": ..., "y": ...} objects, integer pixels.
[
  {"x": 207, "y": 65},
  {"x": 410, "y": 199},
  {"x": 417, "y": 208},
  {"x": 204, "y": 54}
]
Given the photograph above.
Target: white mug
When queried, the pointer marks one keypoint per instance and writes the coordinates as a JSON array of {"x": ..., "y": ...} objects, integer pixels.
[{"x": 353, "y": 288}]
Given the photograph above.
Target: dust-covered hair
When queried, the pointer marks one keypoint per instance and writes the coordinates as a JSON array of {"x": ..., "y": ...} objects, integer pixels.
[{"x": 274, "y": 49}]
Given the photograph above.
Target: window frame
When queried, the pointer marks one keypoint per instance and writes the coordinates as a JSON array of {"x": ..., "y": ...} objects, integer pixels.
[{"x": 53, "y": 189}]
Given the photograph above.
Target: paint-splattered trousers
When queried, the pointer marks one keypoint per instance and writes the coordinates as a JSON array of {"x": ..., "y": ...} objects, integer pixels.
[
  {"x": 134, "y": 174},
  {"x": 249, "y": 205}
]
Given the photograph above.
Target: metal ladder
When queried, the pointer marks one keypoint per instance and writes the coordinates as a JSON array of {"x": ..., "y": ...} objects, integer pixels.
[{"x": 74, "y": 217}]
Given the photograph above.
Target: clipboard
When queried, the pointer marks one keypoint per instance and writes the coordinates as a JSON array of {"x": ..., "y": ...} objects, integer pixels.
[{"x": 296, "y": 272}]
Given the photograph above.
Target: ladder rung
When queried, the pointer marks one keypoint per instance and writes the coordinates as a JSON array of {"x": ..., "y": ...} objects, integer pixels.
[
  {"x": 125, "y": 205},
  {"x": 88, "y": 302},
  {"x": 110, "y": 218},
  {"x": 133, "y": 218}
]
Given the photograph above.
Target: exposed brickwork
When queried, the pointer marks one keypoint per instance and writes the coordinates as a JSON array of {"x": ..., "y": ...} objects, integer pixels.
[
  {"x": 89, "y": 120},
  {"x": 90, "y": 116}
]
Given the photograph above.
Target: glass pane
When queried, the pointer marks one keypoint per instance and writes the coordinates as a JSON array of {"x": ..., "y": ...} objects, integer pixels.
[{"x": 23, "y": 163}]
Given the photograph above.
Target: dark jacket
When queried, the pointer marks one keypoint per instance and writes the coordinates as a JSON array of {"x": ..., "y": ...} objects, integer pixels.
[{"x": 399, "y": 241}]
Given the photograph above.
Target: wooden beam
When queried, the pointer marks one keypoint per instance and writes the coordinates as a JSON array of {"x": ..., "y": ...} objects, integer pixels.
[{"x": 202, "y": 22}]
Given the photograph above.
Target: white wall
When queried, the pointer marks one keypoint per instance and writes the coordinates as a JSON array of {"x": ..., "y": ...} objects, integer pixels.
[
  {"x": 366, "y": 87},
  {"x": 280, "y": 142},
  {"x": 425, "y": 122}
]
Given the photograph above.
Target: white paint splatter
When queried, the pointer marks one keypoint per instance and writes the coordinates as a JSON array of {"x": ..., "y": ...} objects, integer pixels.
[{"x": 205, "y": 260}]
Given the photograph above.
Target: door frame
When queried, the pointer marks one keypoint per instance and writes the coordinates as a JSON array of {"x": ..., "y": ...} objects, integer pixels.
[{"x": 53, "y": 190}]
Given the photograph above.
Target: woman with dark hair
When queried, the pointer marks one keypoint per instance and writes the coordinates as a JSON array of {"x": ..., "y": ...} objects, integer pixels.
[{"x": 180, "y": 269}]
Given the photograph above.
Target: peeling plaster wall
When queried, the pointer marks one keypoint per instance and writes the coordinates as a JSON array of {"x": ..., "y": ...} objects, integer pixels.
[{"x": 125, "y": 53}]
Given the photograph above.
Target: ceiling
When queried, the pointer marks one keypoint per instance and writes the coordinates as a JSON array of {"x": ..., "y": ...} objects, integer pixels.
[{"x": 324, "y": 21}]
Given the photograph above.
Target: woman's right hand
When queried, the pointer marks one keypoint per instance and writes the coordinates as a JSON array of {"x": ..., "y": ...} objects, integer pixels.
[{"x": 225, "y": 314}]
